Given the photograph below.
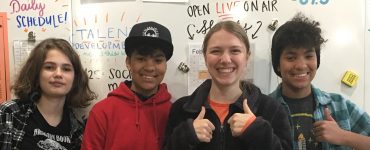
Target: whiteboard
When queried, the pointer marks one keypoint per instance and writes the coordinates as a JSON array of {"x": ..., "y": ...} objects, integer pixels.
[
  {"x": 98, "y": 30},
  {"x": 367, "y": 57}
]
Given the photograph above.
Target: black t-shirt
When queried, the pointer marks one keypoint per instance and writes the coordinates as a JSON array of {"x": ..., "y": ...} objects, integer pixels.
[
  {"x": 39, "y": 135},
  {"x": 302, "y": 116}
]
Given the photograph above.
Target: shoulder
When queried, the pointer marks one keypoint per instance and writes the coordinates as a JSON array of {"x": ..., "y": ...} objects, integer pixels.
[
  {"x": 109, "y": 101},
  {"x": 325, "y": 98},
  {"x": 270, "y": 108},
  {"x": 269, "y": 101},
  {"x": 75, "y": 122},
  {"x": 336, "y": 100},
  {"x": 339, "y": 105},
  {"x": 179, "y": 103},
  {"x": 11, "y": 106}
]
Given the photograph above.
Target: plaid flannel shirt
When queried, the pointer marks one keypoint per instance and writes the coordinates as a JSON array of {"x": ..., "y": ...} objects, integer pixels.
[
  {"x": 347, "y": 115},
  {"x": 13, "y": 118}
]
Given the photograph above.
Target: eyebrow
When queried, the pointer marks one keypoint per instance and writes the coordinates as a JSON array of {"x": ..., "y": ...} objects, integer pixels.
[
  {"x": 234, "y": 46},
  {"x": 53, "y": 63},
  {"x": 290, "y": 51},
  {"x": 158, "y": 54},
  {"x": 309, "y": 51}
]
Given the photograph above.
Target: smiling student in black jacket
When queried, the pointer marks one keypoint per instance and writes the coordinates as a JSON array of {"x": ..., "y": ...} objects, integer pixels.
[{"x": 226, "y": 112}]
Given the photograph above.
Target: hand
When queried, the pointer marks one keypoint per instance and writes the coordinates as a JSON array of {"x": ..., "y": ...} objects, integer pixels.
[
  {"x": 328, "y": 130},
  {"x": 203, "y": 127},
  {"x": 238, "y": 120}
]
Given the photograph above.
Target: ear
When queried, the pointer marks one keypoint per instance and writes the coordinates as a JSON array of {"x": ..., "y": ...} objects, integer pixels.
[
  {"x": 128, "y": 63},
  {"x": 249, "y": 52},
  {"x": 248, "y": 55}
]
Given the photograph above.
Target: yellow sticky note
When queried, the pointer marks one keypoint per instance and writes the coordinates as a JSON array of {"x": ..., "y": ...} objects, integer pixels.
[{"x": 350, "y": 78}]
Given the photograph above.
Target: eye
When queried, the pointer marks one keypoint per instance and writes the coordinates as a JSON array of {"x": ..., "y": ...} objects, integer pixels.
[
  {"x": 140, "y": 59},
  {"x": 214, "y": 51},
  {"x": 310, "y": 55},
  {"x": 159, "y": 60},
  {"x": 67, "y": 68},
  {"x": 235, "y": 51},
  {"x": 48, "y": 67},
  {"x": 290, "y": 57}
]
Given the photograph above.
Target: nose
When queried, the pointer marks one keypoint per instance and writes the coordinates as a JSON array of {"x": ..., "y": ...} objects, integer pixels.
[
  {"x": 58, "y": 72},
  {"x": 301, "y": 63},
  {"x": 150, "y": 64},
  {"x": 225, "y": 58}
]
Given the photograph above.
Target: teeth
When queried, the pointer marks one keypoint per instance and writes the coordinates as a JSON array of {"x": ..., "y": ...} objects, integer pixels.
[
  {"x": 148, "y": 77},
  {"x": 301, "y": 75},
  {"x": 225, "y": 70}
]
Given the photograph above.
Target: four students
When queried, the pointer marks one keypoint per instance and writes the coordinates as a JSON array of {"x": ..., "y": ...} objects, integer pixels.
[{"x": 225, "y": 112}]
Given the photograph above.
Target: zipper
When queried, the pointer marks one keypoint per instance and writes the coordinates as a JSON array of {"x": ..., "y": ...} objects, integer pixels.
[{"x": 222, "y": 133}]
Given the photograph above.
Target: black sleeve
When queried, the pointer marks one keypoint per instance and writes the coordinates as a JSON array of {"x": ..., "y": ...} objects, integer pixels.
[{"x": 180, "y": 133}]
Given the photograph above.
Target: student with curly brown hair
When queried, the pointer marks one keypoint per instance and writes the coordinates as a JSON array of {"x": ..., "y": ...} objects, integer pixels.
[{"x": 51, "y": 83}]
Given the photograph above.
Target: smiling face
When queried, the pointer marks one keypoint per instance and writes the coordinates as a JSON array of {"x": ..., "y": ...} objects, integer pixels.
[
  {"x": 298, "y": 67},
  {"x": 56, "y": 74},
  {"x": 147, "y": 71},
  {"x": 226, "y": 58}
]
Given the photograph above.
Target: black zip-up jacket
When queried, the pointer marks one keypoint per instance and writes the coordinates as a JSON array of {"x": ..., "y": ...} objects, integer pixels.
[{"x": 270, "y": 130}]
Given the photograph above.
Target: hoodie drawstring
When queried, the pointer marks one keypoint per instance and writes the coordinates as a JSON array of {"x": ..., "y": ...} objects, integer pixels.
[
  {"x": 137, "y": 114},
  {"x": 155, "y": 121},
  {"x": 137, "y": 123}
]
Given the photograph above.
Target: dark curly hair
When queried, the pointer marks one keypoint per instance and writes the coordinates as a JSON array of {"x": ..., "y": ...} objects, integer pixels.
[
  {"x": 300, "y": 32},
  {"x": 28, "y": 80}
]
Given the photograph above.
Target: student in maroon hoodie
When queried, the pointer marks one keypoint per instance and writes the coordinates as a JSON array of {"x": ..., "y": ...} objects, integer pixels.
[{"x": 134, "y": 115}]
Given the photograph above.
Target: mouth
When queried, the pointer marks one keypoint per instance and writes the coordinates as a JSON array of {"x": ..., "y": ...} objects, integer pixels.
[
  {"x": 225, "y": 70},
  {"x": 57, "y": 84},
  {"x": 148, "y": 77},
  {"x": 301, "y": 75}
]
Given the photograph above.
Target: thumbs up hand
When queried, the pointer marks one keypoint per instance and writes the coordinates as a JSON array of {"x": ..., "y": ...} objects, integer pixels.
[
  {"x": 240, "y": 121},
  {"x": 203, "y": 127},
  {"x": 328, "y": 130},
  {"x": 327, "y": 115}
]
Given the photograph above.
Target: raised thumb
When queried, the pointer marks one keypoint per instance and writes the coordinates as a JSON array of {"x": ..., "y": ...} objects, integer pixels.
[
  {"x": 246, "y": 107},
  {"x": 327, "y": 114},
  {"x": 202, "y": 113}
]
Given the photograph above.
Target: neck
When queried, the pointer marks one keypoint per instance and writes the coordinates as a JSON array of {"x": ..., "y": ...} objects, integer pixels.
[
  {"x": 51, "y": 109},
  {"x": 294, "y": 92},
  {"x": 225, "y": 94}
]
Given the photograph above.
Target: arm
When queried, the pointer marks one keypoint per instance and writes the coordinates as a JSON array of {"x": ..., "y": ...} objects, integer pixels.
[
  {"x": 356, "y": 141},
  {"x": 4, "y": 134},
  {"x": 180, "y": 133},
  {"x": 94, "y": 134},
  {"x": 7, "y": 112}
]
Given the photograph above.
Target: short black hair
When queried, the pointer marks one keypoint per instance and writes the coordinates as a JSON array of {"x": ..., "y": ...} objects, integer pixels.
[
  {"x": 145, "y": 50},
  {"x": 300, "y": 32}
]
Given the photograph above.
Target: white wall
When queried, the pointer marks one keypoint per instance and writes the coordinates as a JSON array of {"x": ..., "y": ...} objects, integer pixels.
[{"x": 343, "y": 24}]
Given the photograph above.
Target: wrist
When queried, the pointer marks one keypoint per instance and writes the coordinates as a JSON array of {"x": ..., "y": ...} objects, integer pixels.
[{"x": 347, "y": 138}]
